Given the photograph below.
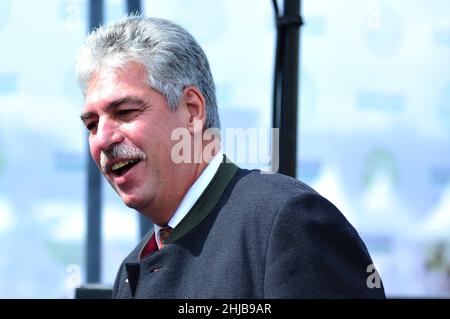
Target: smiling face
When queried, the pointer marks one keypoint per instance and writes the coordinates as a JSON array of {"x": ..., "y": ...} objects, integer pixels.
[{"x": 130, "y": 127}]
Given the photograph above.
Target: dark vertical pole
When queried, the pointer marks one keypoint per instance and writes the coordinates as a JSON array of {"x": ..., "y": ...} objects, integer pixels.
[
  {"x": 286, "y": 85},
  {"x": 94, "y": 189},
  {"x": 289, "y": 97},
  {"x": 134, "y": 6}
]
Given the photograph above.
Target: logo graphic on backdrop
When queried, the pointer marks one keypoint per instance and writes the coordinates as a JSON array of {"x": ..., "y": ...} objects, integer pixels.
[
  {"x": 5, "y": 13},
  {"x": 8, "y": 82},
  {"x": 378, "y": 163},
  {"x": 383, "y": 30},
  {"x": 71, "y": 13},
  {"x": 309, "y": 97}
]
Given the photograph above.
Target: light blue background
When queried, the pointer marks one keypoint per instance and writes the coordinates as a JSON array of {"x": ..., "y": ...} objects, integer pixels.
[{"x": 374, "y": 129}]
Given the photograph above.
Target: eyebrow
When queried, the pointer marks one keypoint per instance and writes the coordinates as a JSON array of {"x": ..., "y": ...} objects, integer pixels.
[{"x": 114, "y": 105}]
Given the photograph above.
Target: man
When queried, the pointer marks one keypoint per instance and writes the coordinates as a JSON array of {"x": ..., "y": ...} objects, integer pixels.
[{"x": 219, "y": 231}]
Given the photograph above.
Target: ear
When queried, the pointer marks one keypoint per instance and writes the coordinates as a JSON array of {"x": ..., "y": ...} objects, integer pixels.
[{"x": 195, "y": 103}]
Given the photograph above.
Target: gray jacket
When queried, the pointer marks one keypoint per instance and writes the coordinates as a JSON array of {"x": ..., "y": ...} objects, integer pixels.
[{"x": 253, "y": 235}]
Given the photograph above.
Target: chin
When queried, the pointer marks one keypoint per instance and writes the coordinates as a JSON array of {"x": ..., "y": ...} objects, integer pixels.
[
  {"x": 130, "y": 201},
  {"x": 136, "y": 202}
]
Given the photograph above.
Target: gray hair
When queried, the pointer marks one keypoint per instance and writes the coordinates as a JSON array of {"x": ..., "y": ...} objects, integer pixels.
[{"x": 172, "y": 57}]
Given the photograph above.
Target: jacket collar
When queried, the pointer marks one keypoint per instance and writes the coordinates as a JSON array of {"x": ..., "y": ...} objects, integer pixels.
[{"x": 206, "y": 202}]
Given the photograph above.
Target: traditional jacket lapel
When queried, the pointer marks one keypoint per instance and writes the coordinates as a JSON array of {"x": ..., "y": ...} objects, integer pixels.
[{"x": 207, "y": 201}]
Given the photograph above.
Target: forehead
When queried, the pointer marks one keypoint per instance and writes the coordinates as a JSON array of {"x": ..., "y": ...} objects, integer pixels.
[{"x": 109, "y": 85}]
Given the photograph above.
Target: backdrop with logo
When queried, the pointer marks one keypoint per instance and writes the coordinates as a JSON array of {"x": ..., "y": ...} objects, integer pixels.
[{"x": 374, "y": 129}]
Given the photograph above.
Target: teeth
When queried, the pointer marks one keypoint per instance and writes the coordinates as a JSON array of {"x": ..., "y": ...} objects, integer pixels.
[{"x": 122, "y": 164}]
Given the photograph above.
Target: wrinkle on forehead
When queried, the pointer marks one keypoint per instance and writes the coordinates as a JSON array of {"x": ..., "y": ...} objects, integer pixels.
[{"x": 108, "y": 82}]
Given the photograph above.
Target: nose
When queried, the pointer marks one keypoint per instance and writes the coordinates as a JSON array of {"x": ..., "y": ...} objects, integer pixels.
[{"x": 108, "y": 133}]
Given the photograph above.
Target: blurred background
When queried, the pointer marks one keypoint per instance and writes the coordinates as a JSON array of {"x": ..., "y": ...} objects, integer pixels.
[{"x": 373, "y": 130}]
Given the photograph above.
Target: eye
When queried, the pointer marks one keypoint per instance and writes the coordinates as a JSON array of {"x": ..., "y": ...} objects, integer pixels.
[
  {"x": 124, "y": 112},
  {"x": 91, "y": 125},
  {"x": 127, "y": 113}
]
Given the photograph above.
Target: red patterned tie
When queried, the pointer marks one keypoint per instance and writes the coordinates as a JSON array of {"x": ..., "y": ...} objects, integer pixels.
[{"x": 163, "y": 234}]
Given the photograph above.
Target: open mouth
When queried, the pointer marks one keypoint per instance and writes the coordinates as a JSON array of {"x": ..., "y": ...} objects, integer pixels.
[{"x": 120, "y": 168}]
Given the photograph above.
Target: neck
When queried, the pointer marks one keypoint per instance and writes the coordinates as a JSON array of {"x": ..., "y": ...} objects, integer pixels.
[{"x": 187, "y": 175}]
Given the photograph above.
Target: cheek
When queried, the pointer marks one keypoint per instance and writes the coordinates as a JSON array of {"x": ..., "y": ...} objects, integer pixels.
[
  {"x": 154, "y": 139},
  {"x": 141, "y": 135}
]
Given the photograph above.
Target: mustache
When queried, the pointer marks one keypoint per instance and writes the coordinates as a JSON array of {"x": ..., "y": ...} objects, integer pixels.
[{"x": 120, "y": 151}]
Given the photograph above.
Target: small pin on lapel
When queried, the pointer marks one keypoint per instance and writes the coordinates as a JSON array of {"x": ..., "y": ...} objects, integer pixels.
[{"x": 156, "y": 269}]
